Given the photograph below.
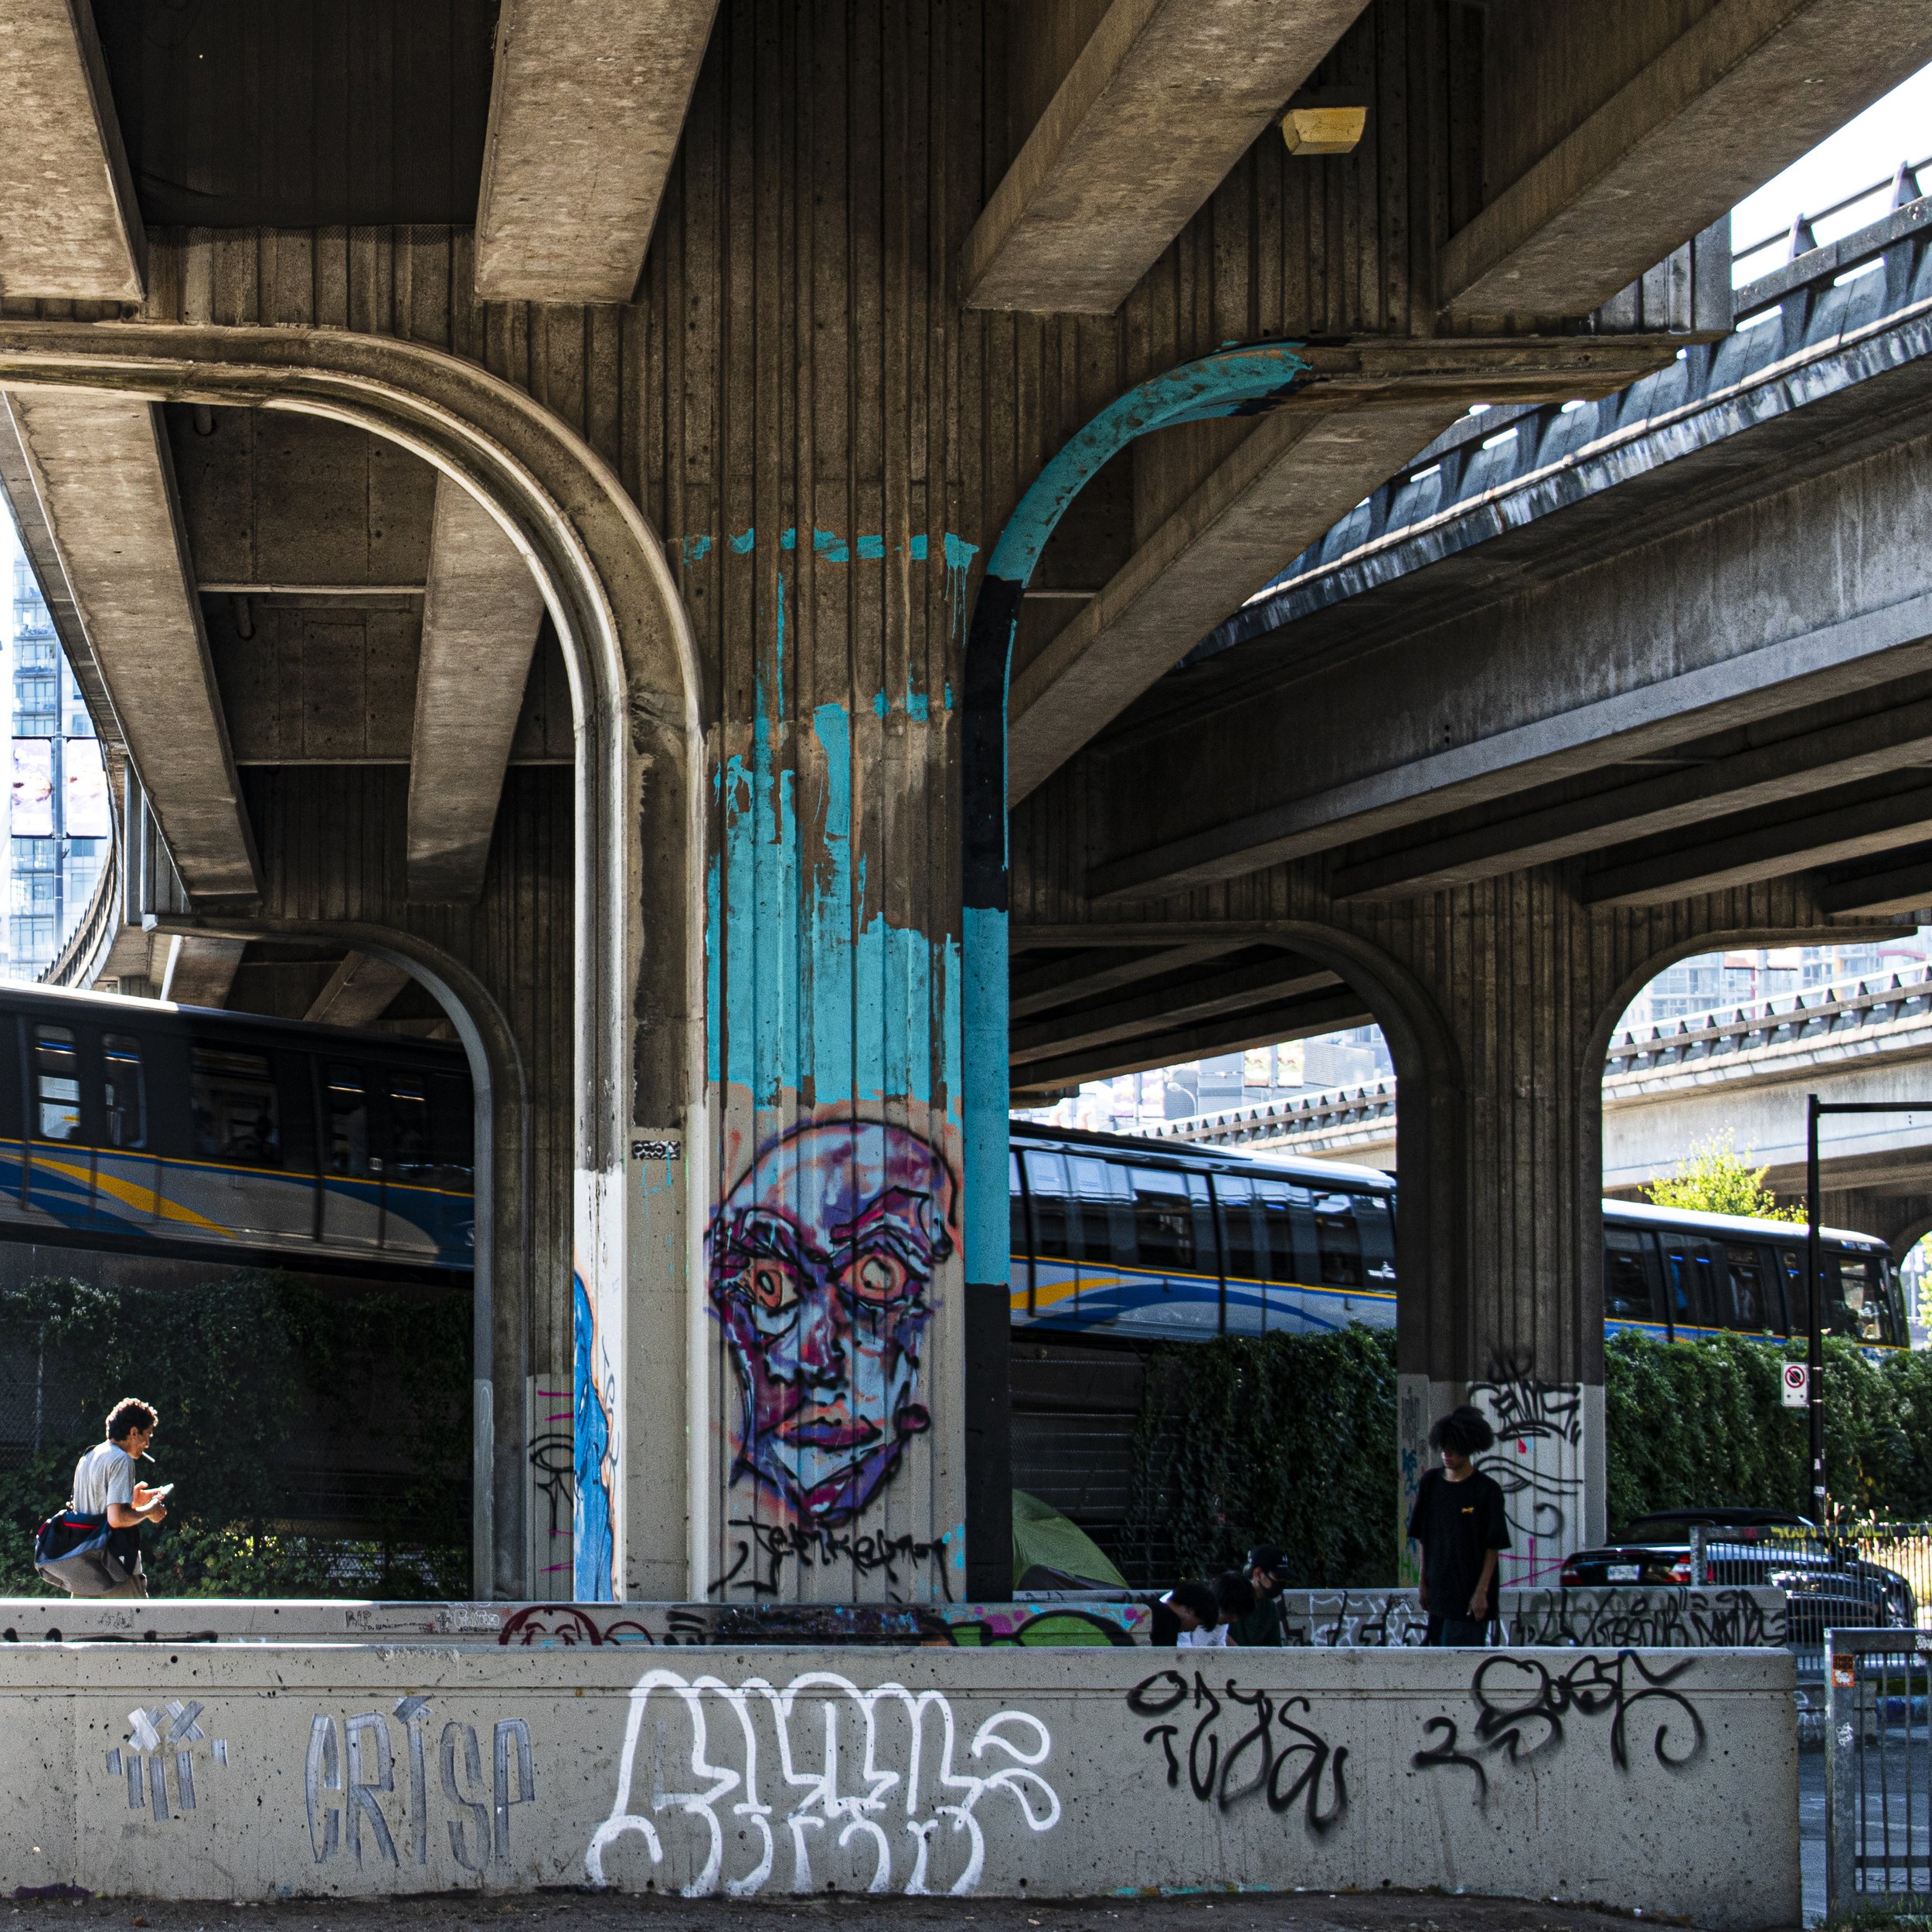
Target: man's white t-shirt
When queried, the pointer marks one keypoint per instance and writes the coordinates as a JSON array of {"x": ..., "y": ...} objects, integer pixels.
[
  {"x": 1214, "y": 1639},
  {"x": 104, "y": 1474}
]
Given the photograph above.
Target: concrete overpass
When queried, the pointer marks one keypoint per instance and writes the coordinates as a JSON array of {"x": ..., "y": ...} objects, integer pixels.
[
  {"x": 545, "y": 520},
  {"x": 1742, "y": 1071}
]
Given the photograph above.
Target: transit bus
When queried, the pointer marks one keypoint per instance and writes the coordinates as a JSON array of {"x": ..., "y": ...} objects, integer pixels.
[
  {"x": 138, "y": 1129},
  {"x": 1154, "y": 1241}
]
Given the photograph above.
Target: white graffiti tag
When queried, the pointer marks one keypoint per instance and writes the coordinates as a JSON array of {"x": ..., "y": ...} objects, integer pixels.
[{"x": 866, "y": 1780}]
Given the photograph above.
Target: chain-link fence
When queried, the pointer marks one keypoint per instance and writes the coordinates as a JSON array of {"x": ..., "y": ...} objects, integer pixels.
[{"x": 1830, "y": 1580}]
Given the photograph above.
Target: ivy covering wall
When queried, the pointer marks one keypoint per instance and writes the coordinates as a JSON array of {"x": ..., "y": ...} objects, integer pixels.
[
  {"x": 1291, "y": 1440},
  {"x": 321, "y": 1442}
]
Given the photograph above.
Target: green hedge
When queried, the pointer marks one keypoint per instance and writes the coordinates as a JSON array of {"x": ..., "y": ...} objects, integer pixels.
[
  {"x": 1291, "y": 1440},
  {"x": 260, "y": 1382}
]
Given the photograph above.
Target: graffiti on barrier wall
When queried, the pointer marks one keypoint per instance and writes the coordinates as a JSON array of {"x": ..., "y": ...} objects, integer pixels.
[
  {"x": 369, "y": 1800},
  {"x": 1524, "y": 1707},
  {"x": 160, "y": 1745},
  {"x": 1243, "y": 1745},
  {"x": 1670, "y": 1618},
  {"x": 953, "y": 1626},
  {"x": 822, "y": 1258},
  {"x": 814, "y": 1784}
]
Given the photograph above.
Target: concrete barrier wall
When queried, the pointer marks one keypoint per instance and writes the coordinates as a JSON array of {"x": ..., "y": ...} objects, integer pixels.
[
  {"x": 1665, "y": 1780},
  {"x": 189, "y": 1620},
  {"x": 1375, "y": 1619}
]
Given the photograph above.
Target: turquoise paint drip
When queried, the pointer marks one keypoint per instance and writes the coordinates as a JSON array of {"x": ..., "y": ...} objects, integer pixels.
[
  {"x": 830, "y": 545},
  {"x": 871, "y": 549},
  {"x": 788, "y": 539},
  {"x": 878, "y": 705},
  {"x": 828, "y": 959},
  {"x": 959, "y": 563},
  {"x": 743, "y": 541},
  {"x": 917, "y": 705},
  {"x": 916, "y": 550},
  {"x": 696, "y": 549}
]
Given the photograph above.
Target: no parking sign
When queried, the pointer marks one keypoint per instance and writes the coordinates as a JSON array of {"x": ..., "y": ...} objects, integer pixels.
[{"x": 1798, "y": 1385}]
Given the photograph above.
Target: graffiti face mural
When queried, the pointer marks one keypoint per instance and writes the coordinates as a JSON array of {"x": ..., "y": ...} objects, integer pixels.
[{"x": 821, "y": 1263}]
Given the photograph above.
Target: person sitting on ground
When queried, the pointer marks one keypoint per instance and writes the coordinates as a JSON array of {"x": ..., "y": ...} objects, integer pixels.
[
  {"x": 105, "y": 1486},
  {"x": 1234, "y": 1598},
  {"x": 1458, "y": 1519},
  {"x": 1261, "y": 1626},
  {"x": 1193, "y": 1608}
]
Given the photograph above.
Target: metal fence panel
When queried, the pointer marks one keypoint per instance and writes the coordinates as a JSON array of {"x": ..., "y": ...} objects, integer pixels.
[{"x": 1877, "y": 1770}]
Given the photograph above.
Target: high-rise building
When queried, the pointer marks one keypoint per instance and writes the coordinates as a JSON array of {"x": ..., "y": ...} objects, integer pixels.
[{"x": 58, "y": 810}]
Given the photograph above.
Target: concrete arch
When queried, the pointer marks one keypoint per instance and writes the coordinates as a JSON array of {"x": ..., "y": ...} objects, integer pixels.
[{"x": 635, "y": 689}]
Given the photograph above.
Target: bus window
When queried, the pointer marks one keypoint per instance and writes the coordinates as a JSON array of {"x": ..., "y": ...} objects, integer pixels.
[
  {"x": 1104, "y": 1202},
  {"x": 1052, "y": 1208},
  {"x": 125, "y": 1091},
  {"x": 1244, "y": 1242},
  {"x": 237, "y": 1115},
  {"x": 1163, "y": 1218},
  {"x": 1279, "y": 1202},
  {"x": 1689, "y": 1268},
  {"x": 1633, "y": 1283},
  {"x": 345, "y": 1107},
  {"x": 1855, "y": 1301},
  {"x": 1018, "y": 1242},
  {"x": 412, "y": 1151},
  {"x": 1750, "y": 1305},
  {"x": 1376, "y": 1226},
  {"x": 1338, "y": 1241},
  {"x": 57, "y": 1083}
]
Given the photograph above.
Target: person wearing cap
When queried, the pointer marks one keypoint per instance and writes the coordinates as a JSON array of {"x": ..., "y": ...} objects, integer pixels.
[
  {"x": 1458, "y": 1519},
  {"x": 1261, "y": 1627}
]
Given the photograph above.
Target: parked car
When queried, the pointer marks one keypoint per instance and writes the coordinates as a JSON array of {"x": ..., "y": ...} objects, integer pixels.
[{"x": 1827, "y": 1583}]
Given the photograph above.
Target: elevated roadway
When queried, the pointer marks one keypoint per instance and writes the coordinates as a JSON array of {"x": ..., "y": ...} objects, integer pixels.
[{"x": 1742, "y": 1071}]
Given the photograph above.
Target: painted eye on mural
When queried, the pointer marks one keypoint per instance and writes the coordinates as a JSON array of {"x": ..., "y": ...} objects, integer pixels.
[
  {"x": 878, "y": 1278},
  {"x": 775, "y": 1288}
]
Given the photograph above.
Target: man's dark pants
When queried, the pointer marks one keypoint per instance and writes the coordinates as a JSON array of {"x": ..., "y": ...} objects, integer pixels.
[{"x": 1457, "y": 1632}]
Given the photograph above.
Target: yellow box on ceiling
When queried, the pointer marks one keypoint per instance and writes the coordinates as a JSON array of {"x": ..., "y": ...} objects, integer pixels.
[{"x": 1323, "y": 130}]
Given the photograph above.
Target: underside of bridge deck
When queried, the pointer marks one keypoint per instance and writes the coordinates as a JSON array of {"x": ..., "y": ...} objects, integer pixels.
[{"x": 548, "y": 509}]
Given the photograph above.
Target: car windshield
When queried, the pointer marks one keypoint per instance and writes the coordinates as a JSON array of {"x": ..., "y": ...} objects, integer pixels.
[{"x": 1674, "y": 1529}]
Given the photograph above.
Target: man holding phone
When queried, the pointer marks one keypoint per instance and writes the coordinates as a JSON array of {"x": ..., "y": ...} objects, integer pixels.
[{"x": 105, "y": 1486}]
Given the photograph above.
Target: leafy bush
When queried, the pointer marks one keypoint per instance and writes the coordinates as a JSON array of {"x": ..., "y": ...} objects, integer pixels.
[
  {"x": 1291, "y": 1440},
  {"x": 1717, "y": 1179},
  {"x": 259, "y": 1381},
  {"x": 1285, "y": 1439}
]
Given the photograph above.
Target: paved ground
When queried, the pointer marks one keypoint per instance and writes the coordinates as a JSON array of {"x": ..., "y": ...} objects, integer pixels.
[{"x": 571, "y": 1912}]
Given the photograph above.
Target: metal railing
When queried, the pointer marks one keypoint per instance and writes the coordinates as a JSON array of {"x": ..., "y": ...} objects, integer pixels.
[
  {"x": 1878, "y": 1771},
  {"x": 1829, "y": 1580}
]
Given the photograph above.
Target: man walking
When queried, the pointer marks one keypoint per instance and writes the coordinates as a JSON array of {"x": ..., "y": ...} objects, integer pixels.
[
  {"x": 1458, "y": 1520},
  {"x": 105, "y": 1488}
]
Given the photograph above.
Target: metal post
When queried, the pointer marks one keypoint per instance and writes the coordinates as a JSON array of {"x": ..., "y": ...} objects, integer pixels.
[
  {"x": 1814, "y": 1339},
  {"x": 1841, "y": 1794}
]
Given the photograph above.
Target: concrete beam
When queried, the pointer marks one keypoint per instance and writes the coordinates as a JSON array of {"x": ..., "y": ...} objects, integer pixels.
[
  {"x": 359, "y": 992},
  {"x": 1903, "y": 885},
  {"x": 1840, "y": 754},
  {"x": 480, "y": 618},
  {"x": 104, "y": 490},
  {"x": 1741, "y": 850},
  {"x": 1746, "y": 88},
  {"x": 586, "y": 108},
  {"x": 1107, "y": 1022},
  {"x": 199, "y": 972},
  {"x": 1261, "y": 1026},
  {"x": 1164, "y": 99},
  {"x": 1281, "y": 488},
  {"x": 71, "y": 231},
  {"x": 1050, "y": 987}
]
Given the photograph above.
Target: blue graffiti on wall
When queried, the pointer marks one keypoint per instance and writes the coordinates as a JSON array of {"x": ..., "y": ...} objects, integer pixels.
[{"x": 596, "y": 1546}]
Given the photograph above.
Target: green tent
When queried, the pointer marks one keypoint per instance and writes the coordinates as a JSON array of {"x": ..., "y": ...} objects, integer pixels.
[{"x": 1043, "y": 1536}]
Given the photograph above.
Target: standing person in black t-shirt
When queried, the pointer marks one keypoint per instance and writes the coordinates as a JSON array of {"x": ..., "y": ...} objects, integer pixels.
[{"x": 1458, "y": 1520}]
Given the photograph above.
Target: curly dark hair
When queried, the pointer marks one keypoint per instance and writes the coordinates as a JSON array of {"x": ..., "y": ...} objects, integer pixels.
[
  {"x": 1466, "y": 1431},
  {"x": 127, "y": 1415}
]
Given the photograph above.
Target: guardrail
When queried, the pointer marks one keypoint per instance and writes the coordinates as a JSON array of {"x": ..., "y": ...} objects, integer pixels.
[
  {"x": 1877, "y": 1770},
  {"x": 79, "y": 962}
]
